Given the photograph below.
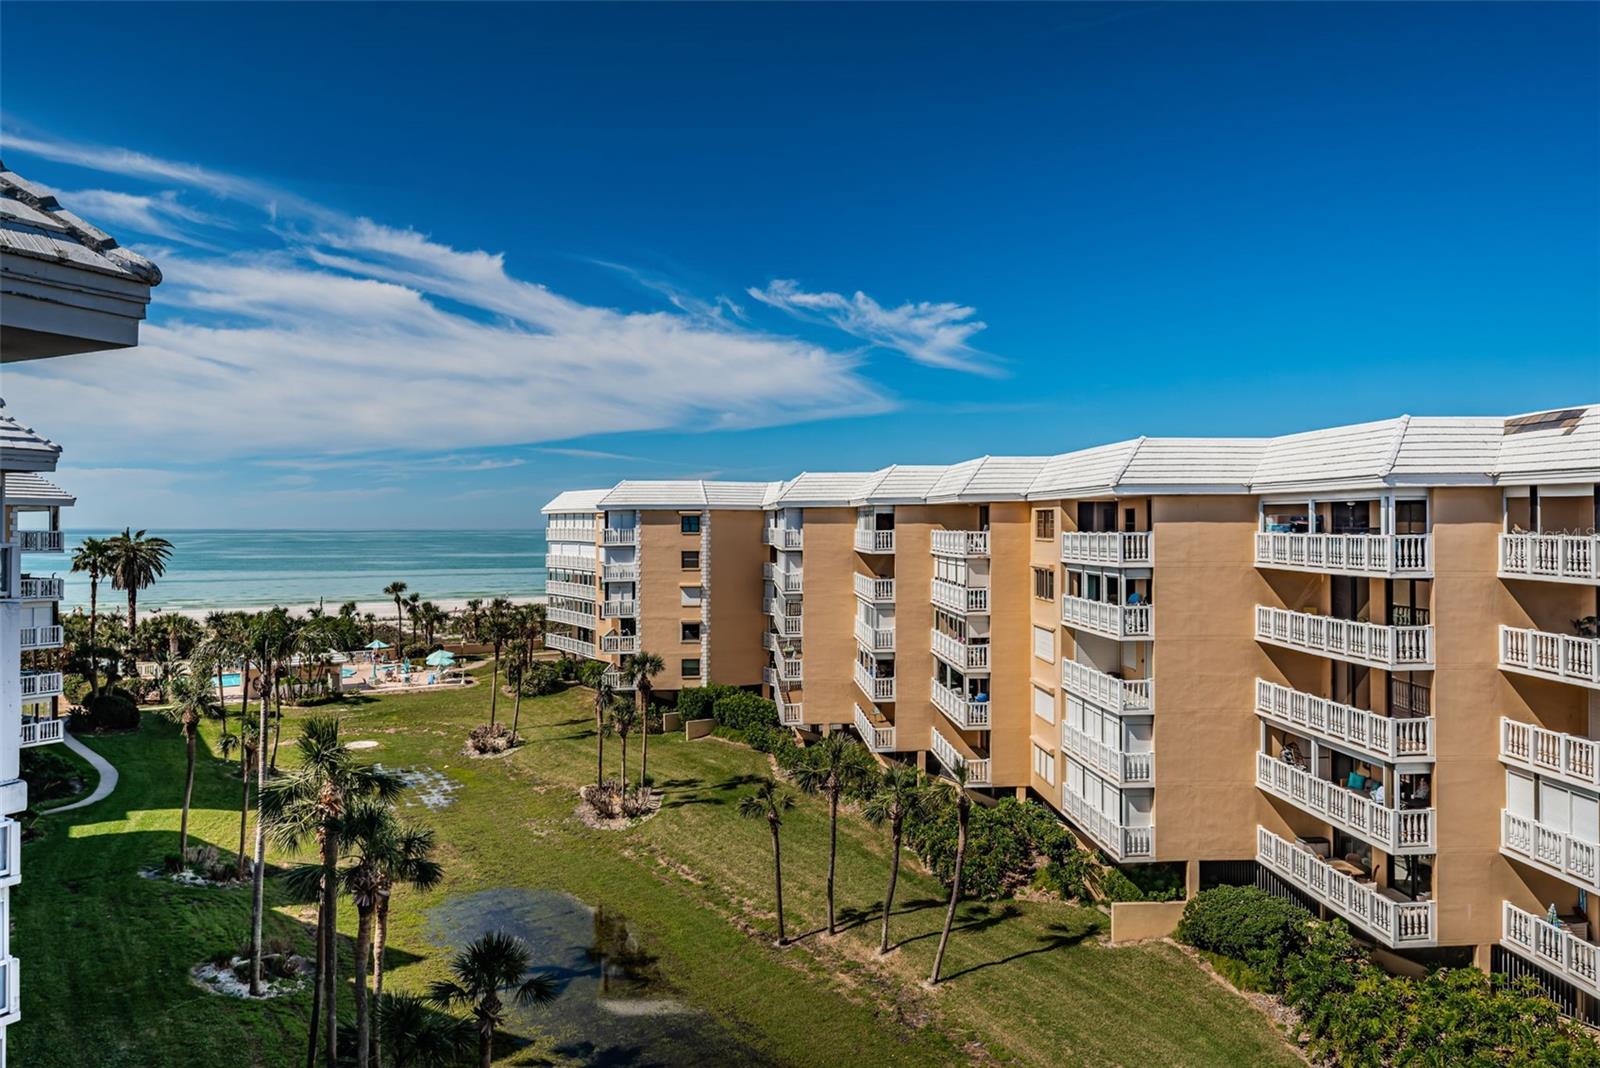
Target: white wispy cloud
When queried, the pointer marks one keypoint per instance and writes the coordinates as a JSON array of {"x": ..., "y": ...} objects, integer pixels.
[
  {"x": 161, "y": 214},
  {"x": 936, "y": 334}
]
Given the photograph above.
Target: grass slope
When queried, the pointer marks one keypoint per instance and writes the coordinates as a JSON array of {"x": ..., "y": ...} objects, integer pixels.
[{"x": 105, "y": 953}]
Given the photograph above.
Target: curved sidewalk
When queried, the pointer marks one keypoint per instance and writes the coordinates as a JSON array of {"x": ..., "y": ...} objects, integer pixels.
[{"x": 108, "y": 777}]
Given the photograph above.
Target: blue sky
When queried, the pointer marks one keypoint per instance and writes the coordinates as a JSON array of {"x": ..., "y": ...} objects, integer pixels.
[{"x": 426, "y": 266}]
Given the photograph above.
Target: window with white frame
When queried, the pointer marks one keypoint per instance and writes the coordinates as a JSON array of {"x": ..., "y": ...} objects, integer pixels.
[
  {"x": 1044, "y": 705},
  {"x": 1044, "y": 764},
  {"x": 1044, "y": 644},
  {"x": 690, "y": 596}
]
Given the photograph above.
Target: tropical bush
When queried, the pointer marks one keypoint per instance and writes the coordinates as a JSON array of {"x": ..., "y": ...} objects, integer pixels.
[
  {"x": 113, "y": 709},
  {"x": 540, "y": 679},
  {"x": 416, "y": 651},
  {"x": 1006, "y": 845},
  {"x": 1146, "y": 882},
  {"x": 740, "y": 711},
  {"x": 48, "y": 774},
  {"x": 588, "y": 673},
  {"x": 697, "y": 702},
  {"x": 485, "y": 739},
  {"x": 1247, "y": 924}
]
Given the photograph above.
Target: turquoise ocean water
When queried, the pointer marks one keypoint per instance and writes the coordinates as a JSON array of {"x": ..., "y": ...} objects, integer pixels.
[{"x": 294, "y": 568}]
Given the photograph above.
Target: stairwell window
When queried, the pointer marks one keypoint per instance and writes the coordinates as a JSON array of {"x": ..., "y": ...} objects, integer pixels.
[
  {"x": 1044, "y": 524},
  {"x": 690, "y": 632},
  {"x": 689, "y": 523},
  {"x": 1044, "y": 583},
  {"x": 1044, "y": 764},
  {"x": 689, "y": 561},
  {"x": 689, "y": 596},
  {"x": 691, "y": 669}
]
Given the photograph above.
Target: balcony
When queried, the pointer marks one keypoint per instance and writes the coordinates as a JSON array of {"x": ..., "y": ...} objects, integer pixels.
[
  {"x": 1122, "y": 843},
  {"x": 874, "y": 541},
  {"x": 783, "y": 538},
  {"x": 614, "y": 678},
  {"x": 40, "y": 541},
  {"x": 790, "y": 670},
  {"x": 37, "y": 685},
  {"x": 1552, "y": 557},
  {"x": 1122, "y": 768},
  {"x": 874, "y": 590},
  {"x": 1577, "y": 860},
  {"x": 963, "y": 711},
  {"x": 1378, "y": 555},
  {"x": 877, "y": 687},
  {"x": 1400, "y": 924},
  {"x": 960, "y": 543},
  {"x": 620, "y": 573},
  {"x": 583, "y": 591},
  {"x": 1562, "y": 657},
  {"x": 40, "y": 637},
  {"x": 878, "y": 734},
  {"x": 619, "y": 536},
  {"x": 952, "y": 758},
  {"x": 1384, "y": 738},
  {"x": 1108, "y": 549},
  {"x": 874, "y": 639},
  {"x": 786, "y": 626},
  {"x": 1393, "y": 830},
  {"x": 614, "y": 644},
  {"x": 37, "y": 731},
  {"x": 1372, "y": 644},
  {"x": 559, "y": 561},
  {"x": 623, "y": 609},
  {"x": 959, "y": 654},
  {"x": 783, "y": 581},
  {"x": 1122, "y": 696},
  {"x": 41, "y": 589},
  {"x": 1559, "y": 756},
  {"x": 790, "y": 713},
  {"x": 1122, "y": 622},
  {"x": 960, "y": 600},
  {"x": 581, "y": 532},
  {"x": 572, "y": 616},
  {"x": 568, "y": 644},
  {"x": 1553, "y": 948}
]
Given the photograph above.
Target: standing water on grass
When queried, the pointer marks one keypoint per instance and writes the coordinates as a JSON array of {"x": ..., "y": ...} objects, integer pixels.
[{"x": 613, "y": 1008}]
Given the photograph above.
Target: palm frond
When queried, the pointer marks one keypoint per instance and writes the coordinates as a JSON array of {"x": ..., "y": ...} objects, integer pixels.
[{"x": 537, "y": 990}]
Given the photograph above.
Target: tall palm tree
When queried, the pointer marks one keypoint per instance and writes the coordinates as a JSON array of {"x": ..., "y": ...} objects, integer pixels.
[
  {"x": 311, "y": 802},
  {"x": 770, "y": 802},
  {"x": 963, "y": 816},
  {"x": 418, "y": 1035},
  {"x": 245, "y": 742},
  {"x": 414, "y": 612},
  {"x": 268, "y": 634},
  {"x": 832, "y": 766},
  {"x": 497, "y": 628},
  {"x": 492, "y": 964},
  {"x": 136, "y": 562},
  {"x": 216, "y": 651},
  {"x": 603, "y": 696},
  {"x": 898, "y": 794},
  {"x": 397, "y": 590},
  {"x": 470, "y": 622},
  {"x": 642, "y": 667},
  {"x": 370, "y": 622},
  {"x": 93, "y": 558},
  {"x": 623, "y": 717},
  {"x": 193, "y": 702},
  {"x": 409, "y": 861}
]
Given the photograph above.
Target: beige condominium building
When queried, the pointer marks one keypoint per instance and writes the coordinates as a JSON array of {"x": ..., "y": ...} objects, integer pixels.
[{"x": 1357, "y": 666}]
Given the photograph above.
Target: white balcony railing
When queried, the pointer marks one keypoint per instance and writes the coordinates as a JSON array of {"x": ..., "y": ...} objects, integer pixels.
[
  {"x": 961, "y": 710},
  {"x": 620, "y": 573},
  {"x": 1123, "y": 768},
  {"x": 619, "y": 682},
  {"x": 619, "y": 536},
  {"x": 583, "y": 591},
  {"x": 1122, "y": 696},
  {"x": 784, "y": 581},
  {"x": 559, "y": 561},
  {"x": 579, "y": 532},
  {"x": 1558, "y": 557},
  {"x": 1121, "y": 841},
  {"x": 960, "y": 543},
  {"x": 43, "y": 731},
  {"x": 877, "y": 687},
  {"x": 1387, "y": 738},
  {"x": 576, "y": 617},
  {"x": 1120, "y": 621},
  {"x": 959, "y": 654},
  {"x": 1561, "y": 756},
  {"x": 876, "y": 590},
  {"x": 40, "y": 637},
  {"x": 40, "y": 684},
  {"x": 40, "y": 541},
  {"x": 784, "y": 538},
  {"x": 875, "y": 639},
  {"x": 790, "y": 669},
  {"x": 787, "y": 626},
  {"x": 41, "y": 589},
  {"x": 1395, "y": 923},
  {"x": 568, "y": 644},
  {"x": 790, "y": 713},
  {"x": 952, "y": 758},
  {"x": 1394, "y": 830},
  {"x": 623, "y": 609},
  {"x": 1346, "y": 639},
  {"x": 1347, "y": 554},
  {"x": 10, "y": 858},
  {"x": 959, "y": 599},
  {"x": 874, "y": 541},
  {"x": 878, "y": 736},
  {"x": 1551, "y": 947},
  {"x": 1558, "y": 852},
  {"x": 619, "y": 643},
  {"x": 1110, "y": 549},
  {"x": 1551, "y": 656}
]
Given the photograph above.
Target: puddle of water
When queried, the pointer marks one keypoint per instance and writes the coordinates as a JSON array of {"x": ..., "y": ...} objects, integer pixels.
[{"x": 614, "y": 1009}]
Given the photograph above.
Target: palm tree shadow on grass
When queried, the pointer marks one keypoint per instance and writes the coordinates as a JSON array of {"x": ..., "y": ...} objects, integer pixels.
[
  {"x": 1061, "y": 935},
  {"x": 977, "y": 917}
]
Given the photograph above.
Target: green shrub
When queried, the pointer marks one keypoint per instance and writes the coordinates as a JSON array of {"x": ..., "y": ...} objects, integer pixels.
[
  {"x": 48, "y": 774},
  {"x": 1004, "y": 845},
  {"x": 113, "y": 709},
  {"x": 741, "y": 711},
  {"x": 416, "y": 652},
  {"x": 1247, "y": 924},
  {"x": 760, "y": 737},
  {"x": 786, "y": 752},
  {"x": 587, "y": 674},
  {"x": 697, "y": 702},
  {"x": 539, "y": 679}
]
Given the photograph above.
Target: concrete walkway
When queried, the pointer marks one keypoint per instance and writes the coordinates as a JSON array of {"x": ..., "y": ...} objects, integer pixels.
[{"x": 108, "y": 777}]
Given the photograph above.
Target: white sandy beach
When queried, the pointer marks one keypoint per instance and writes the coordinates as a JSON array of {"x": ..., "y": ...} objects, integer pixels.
[{"x": 382, "y": 609}]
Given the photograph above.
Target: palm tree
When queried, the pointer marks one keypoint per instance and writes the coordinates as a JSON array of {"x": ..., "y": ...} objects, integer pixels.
[
  {"x": 498, "y": 630},
  {"x": 492, "y": 963},
  {"x": 194, "y": 702},
  {"x": 623, "y": 718},
  {"x": 899, "y": 793},
  {"x": 409, "y": 860},
  {"x": 136, "y": 562},
  {"x": 603, "y": 696},
  {"x": 414, "y": 612},
  {"x": 370, "y": 621},
  {"x": 963, "y": 815},
  {"x": 417, "y": 1035},
  {"x": 831, "y": 767},
  {"x": 517, "y": 674},
  {"x": 312, "y": 802},
  {"x": 245, "y": 741},
  {"x": 93, "y": 558},
  {"x": 770, "y": 802},
  {"x": 470, "y": 623},
  {"x": 641, "y": 667},
  {"x": 397, "y": 590},
  {"x": 538, "y": 624},
  {"x": 269, "y": 633}
]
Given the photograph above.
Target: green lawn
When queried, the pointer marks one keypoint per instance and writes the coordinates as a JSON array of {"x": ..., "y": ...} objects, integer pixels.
[{"x": 105, "y": 953}]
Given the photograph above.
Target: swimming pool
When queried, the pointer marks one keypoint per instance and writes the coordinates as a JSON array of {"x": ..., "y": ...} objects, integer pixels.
[
  {"x": 231, "y": 678},
  {"x": 347, "y": 673}
]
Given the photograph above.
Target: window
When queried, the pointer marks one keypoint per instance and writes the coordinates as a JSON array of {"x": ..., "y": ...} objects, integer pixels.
[
  {"x": 691, "y": 669},
  {"x": 1044, "y": 705},
  {"x": 1044, "y": 644},
  {"x": 1044, "y": 764},
  {"x": 690, "y": 632},
  {"x": 1044, "y": 523},
  {"x": 689, "y": 561},
  {"x": 1044, "y": 583},
  {"x": 689, "y": 523},
  {"x": 689, "y": 596}
]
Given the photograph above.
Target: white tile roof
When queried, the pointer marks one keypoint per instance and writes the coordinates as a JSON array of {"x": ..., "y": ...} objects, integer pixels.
[
  {"x": 685, "y": 493},
  {"x": 22, "y": 449},
  {"x": 1226, "y": 464},
  {"x": 822, "y": 489},
  {"x": 573, "y": 501},
  {"x": 34, "y": 225},
  {"x": 27, "y": 488},
  {"x": 988, "y": 478},
  {"x": 1560, "y": 445},
  {"x": 899, "y": 484}
]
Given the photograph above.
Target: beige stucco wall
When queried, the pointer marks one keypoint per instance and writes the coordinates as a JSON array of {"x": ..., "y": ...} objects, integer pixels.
[
  {"x": 1011, "y": 637},
  {"x": 661, "y": 608},
  {"x": 737, "y": 622},
  {"x": 828, "y": 617}
]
